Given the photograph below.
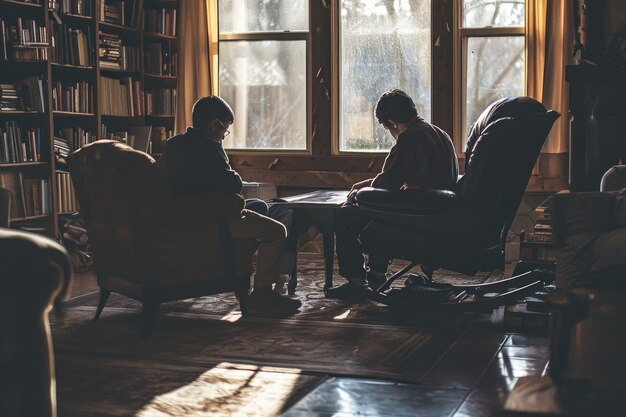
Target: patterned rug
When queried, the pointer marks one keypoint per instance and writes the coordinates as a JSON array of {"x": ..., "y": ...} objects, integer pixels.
[
  {"x": 203, "y": 359},
  {"x": 315, "y": 306}
]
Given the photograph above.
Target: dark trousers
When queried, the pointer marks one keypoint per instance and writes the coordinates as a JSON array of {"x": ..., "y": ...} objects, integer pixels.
[
  {"x": 256, "y": 205},
  {"x": 349, "y": 221}
]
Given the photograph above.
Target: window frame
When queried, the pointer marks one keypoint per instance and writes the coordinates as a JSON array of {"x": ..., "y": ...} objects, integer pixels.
[
  {"x": 335, "y": 121},
  {"x": 285, "y": 35},
  {"x": 461, "y": 37}
]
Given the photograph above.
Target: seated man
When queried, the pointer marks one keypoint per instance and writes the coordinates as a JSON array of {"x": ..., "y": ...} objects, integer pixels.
[
  {"x": 195, "y": 162},
  {"x": 423, "y": 157}
]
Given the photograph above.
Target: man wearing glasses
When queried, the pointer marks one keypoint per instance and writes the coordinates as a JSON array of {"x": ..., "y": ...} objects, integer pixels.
[{"x": 195, "y": 163}]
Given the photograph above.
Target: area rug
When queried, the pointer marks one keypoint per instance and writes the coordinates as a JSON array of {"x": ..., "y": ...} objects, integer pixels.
[
  {"x": 204, "y": 359},
  {"x": 315, "y": 306}
]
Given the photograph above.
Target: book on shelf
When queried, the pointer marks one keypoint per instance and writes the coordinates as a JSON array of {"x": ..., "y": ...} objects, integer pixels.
[
  {"x": 14, "y": 182},
  {"x": 72, "y": 46},
  {"x": 23, "y": 95},
  {"x": 158, "y": 136},
  {"x": 19, "y": 144},
  {"x": 36, "y": 196},
  {"x": 121, "y": 12},
  {"x": 160, "y": 59},
  {"x": 70, "y": 139},
  {"x": 115, "y": 55},
  {"x": 66, "y": 197},
  {"x": 161, "y": 101},
  {"x": 23, "y": 39},
  {"x": 161, "y": 21},
  {"x": 74, "y": 7},
  {"x": 137, "y": 137},
  {"x": 121, "y": 97},
  {"x": 75, "y": 97}
]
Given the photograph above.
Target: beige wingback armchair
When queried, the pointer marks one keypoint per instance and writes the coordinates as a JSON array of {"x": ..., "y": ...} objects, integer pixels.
[{"x": 149, "y": 246}]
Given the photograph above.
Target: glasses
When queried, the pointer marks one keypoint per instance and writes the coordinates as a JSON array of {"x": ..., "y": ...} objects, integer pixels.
[{"x": 226, "y": 131}]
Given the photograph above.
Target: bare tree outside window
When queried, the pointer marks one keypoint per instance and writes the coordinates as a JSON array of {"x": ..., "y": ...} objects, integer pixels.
[
  {"x": 262, "y": 72},
  {"x": 493, "y": 40},
  {"x": 384, "y": 44}
]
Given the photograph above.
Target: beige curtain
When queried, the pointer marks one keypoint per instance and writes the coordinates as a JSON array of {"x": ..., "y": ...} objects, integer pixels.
[
  {"x": 197, "y": 56},
  {"x": 549, "y": 24}
]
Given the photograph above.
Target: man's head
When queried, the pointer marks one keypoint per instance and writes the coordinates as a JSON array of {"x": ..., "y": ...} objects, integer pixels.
[
  {"x": 212, "y": 116},
  {"x": 394, "y": 109}
]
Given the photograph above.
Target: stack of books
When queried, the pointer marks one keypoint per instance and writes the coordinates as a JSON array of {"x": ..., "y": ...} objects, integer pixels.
[
  {"x": 23, "y": 95},
  {"x": 19, "y": 144},
  {"x": 120, "y": 12},
  {"x": 61, "y": 149},
  {"x": 114, "y": 55},
  {"x": 543, "y": 228},
  {"x": 23, "y": 40}
]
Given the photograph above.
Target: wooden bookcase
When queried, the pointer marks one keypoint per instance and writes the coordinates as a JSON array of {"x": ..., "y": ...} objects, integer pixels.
[{"x": 49, "y": 122}]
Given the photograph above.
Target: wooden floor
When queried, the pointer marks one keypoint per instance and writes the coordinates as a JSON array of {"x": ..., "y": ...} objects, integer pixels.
[{"x": 472, "y": 379}]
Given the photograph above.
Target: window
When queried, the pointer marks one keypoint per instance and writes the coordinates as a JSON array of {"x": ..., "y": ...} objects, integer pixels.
[
  {"x": 381, "y": 45},
  {"x": 263, "y": 72},
  {"x": 491, "y": 53}
]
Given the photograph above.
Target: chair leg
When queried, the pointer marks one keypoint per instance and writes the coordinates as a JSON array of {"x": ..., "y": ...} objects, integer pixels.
[
  {"x": 395, "y": 276},
  {"x": 242, "y": 295},
  {"x": 104, "y": 296},
  {"x": 149, "y": 317}
]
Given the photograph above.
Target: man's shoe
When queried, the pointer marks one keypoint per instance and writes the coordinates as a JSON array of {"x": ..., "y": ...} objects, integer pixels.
[
  {"x": 347, "y": 290},
  {"x": 265, "y": 302}
]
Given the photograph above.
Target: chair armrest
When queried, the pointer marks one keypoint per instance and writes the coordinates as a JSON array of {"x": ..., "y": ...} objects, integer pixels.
[
  {"x": 416, "y": 201},
  {"x": 581, "y": 213}
]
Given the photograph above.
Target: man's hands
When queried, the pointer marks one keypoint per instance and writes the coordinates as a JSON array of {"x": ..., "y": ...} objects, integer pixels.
[{"x": 356, "y": 187}]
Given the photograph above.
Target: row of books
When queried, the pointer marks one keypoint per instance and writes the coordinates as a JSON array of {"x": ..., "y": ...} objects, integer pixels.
[
  {"x": 75, "y": 7},
  {"x": 19, "y": 144},
  {"x": 69, "y": 139},
  {"x": 66, "y": 197},
  {"x": 161, "y": 21},
  {"x": 114, "y": 55},
  {"x": 72, "y": 46},
  {"x": 23, "y": 95},
  {"x": 76, "y": 97},
  {"x": 29, "y": 196},
  {"x": 159, "y": 58},
  {"x": 23, "y": 39},
  {"x": 161, "y": 101},
  {"x": 121, "y": 97},
  {"x": 120, "y": 12},
  {"x": 137, "y": 137}
]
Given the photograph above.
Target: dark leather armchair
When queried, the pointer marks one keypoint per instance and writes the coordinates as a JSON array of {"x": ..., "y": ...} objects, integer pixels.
[
  {"x": 464, "y": 229},
  {"x": 35, "y": 271},
  {"x": 149, "y": 246}
]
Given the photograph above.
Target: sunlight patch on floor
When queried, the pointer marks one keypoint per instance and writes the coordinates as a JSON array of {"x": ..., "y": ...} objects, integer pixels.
[{"x": 228, "y": 389}]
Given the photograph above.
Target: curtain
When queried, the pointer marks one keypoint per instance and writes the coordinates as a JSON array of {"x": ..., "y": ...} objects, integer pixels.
[
  {"x": 550, "y": 28},
  {"x": 197, "y": 56}
]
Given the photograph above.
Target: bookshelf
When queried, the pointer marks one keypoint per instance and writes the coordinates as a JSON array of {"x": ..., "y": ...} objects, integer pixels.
[{"x": 82, "y": 70}]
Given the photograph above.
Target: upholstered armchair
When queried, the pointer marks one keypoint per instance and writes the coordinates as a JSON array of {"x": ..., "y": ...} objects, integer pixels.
[
  {"x": 149, "y": 246},
  {"x": 35, "y": 271},
  {"x": 464, "y": 229}
]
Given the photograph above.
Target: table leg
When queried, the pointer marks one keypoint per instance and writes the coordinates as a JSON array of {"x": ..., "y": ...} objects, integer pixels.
[{"x": 329, "y": 255}]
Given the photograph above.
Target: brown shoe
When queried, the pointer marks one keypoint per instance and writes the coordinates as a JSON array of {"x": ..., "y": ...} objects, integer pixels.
[{"x": 265, "y": 302}]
